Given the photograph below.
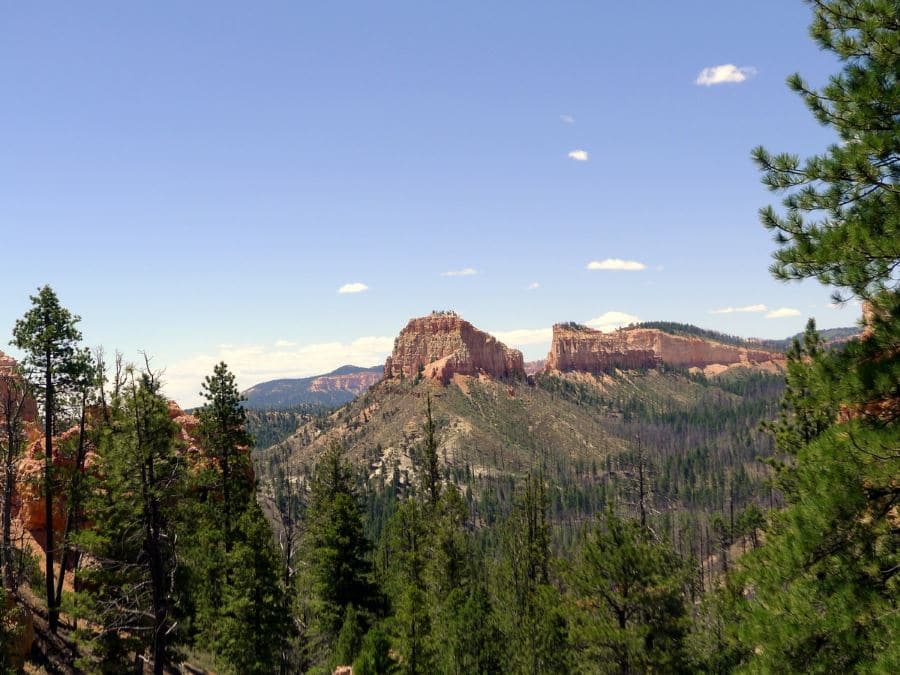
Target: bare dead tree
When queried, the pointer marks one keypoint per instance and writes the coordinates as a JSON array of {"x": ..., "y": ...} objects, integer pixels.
[{"x": 288, "y": 497}]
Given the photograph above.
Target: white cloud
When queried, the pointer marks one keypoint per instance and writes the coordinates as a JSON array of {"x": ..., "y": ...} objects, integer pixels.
[
  {"x": 567, "y": 119},
  {"x": 283, "y": 344},
  {"x": 355, "y": 287},
  {"x": 747, "y": 308},
  {"x": 533, "y": 286},
  {"x": 465, "y": 272},
  {"x": 726, "y": 73},
  {"x": 524, "y": 336},
  {"x": 783, "y": 312},
  {"x": 609, "y": 321},
  {"x": 578, "y": 155},
  {"x": 616, "y": 264},
  {"x": 255, "y": 363}
]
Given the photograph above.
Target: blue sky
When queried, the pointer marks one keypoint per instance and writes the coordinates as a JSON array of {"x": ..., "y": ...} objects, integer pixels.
[{"x": 200, "y": 179}]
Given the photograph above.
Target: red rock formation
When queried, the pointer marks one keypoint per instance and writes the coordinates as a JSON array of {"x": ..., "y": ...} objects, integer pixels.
[
  {"x": 443, "y": 345},
  {"x": 8, "y": 370},
  {"x": 354, "y": 383},
  {"x": 584, "y": 349},
  {"x": 29, "y": 498}
]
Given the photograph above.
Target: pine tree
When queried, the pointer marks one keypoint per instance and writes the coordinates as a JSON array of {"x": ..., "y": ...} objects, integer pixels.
[
  {"x": 822, "y": 589},
  {"x": 842, "y": 208},
  {"x": 408, "y": 540},
  {"x": 133, "y": 508},
  {"x": 49, "y": 336},
  {"x": 431, "y": 477},
  {"x": 631, "y": 594},
  {"x": 254, "y": 621},
  {"x": 335, "y": 553},
  {"x": 223, "y": 430},
  {"x": 533, "y": 622}
]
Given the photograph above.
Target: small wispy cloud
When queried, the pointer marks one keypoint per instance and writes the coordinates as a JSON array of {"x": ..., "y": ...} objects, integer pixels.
[
  {"x": 578, "y": 155},
  {"x": 464, "y": 272},
  {"x": 284, "y": 344},
  {"x": 616, "y": 264},
  {"x": 734, "y": 310},
  {"x": 567, "y": 119},
  {"x": 609, "y": 321},
  {"x": 355, "y": 287},
  {"x": 727, "y": 73},
  {"x": 783, "y": 312},
  {"x": 533, "y": 286}
]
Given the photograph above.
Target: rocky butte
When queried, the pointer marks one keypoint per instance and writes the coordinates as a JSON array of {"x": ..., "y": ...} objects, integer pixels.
[
  {"x": 580, "y": 348},
  {"x": 442, "y": 345}
]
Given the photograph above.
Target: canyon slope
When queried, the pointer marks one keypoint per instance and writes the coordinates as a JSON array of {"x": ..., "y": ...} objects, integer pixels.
[{"x": 694, "y": 404}]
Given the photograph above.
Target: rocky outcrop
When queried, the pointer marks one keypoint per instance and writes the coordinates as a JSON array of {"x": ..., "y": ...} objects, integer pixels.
[
  {"x": 352, "y": 383},
  {"x": 584, "y": 349},
  {"x": 442, "y": 345},
  {"x": 8, "y": 375}
]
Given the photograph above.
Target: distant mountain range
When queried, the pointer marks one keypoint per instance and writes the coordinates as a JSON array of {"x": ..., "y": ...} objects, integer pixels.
[
  {"x": 690, "y": 405},
  {"x": 342, "y": 385},
  {"x": 831, "y": 336},
  {"x": 331, "y": 389}
]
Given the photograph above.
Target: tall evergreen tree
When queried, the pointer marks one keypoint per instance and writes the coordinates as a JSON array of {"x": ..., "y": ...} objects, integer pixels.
[
  {"x": 223, "y": 430},
  {"x": 534, "y": 623},
  {"x": 136, "y": 494},
  {"x": 841, "y": 222},
  {"x": 408, "y": 539},
  {"x": 48, "y": 334},
  {"x": 823, "y": 588},
  {"x": 232, "y": 590},
  {"x": 465, "y": 637},
  {"x": 254, "y": 621},
  {"x": 337, "y": 570},
  {"x": 631, "y": 599},
  {"x": 431, "y": 476}
]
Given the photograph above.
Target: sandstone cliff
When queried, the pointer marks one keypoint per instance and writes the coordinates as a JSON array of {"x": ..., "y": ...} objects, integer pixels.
[
  {"x": 584, "y": 349},
  {"x": 444, "y": 345},
  {"x": 353, "y": 383}
]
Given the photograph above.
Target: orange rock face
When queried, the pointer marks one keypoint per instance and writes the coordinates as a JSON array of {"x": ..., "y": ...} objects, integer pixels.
[
  {"x": 444, "y": 345},
  {"x": 353, "y": 383},
  {"x": 8, "y": 370},
  {"x": 584, "y": 349},
  {"x": 29, "y": 498}
]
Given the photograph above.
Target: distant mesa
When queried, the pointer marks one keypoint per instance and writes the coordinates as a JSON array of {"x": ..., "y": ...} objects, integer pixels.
[
  {"x": 336, "y": 388},
  {"x": 442, "y": 345},
  {"x": 579, "y": 348}
]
